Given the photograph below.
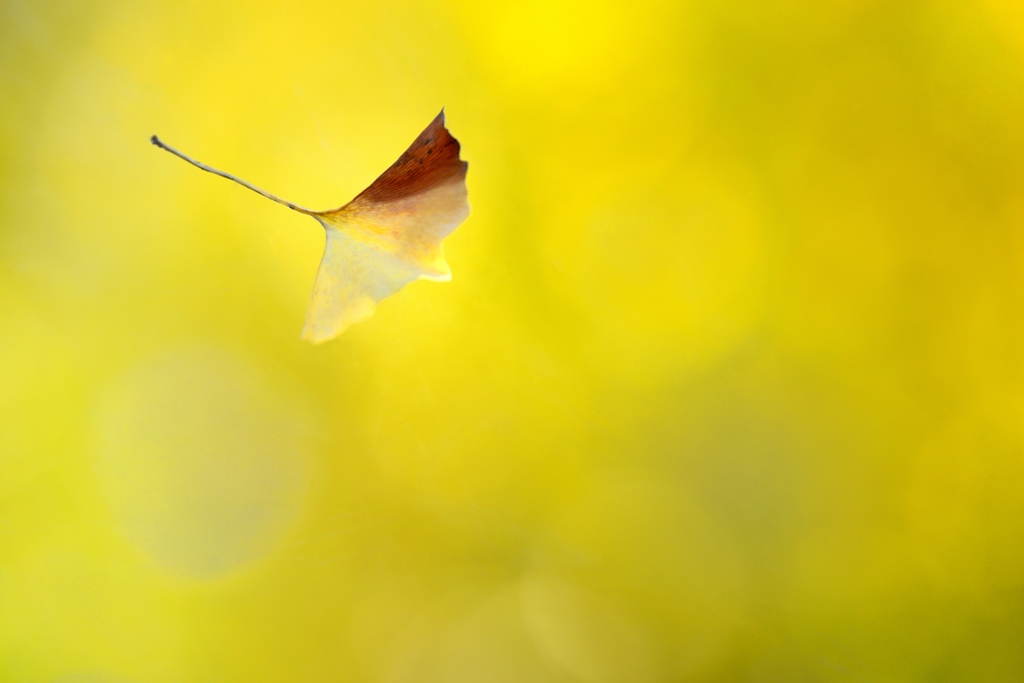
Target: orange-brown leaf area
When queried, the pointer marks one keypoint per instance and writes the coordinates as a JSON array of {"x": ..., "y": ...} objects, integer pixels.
[
  {"x": 431, "y": 160},
  {"x": 726, "y": 384}
]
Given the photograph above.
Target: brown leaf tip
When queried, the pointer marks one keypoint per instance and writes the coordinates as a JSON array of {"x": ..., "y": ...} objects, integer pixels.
[{"x": 431, "y": 160}]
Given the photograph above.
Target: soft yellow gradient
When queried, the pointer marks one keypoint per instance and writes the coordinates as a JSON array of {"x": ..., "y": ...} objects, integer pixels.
[{"x": 727, "y": 384}]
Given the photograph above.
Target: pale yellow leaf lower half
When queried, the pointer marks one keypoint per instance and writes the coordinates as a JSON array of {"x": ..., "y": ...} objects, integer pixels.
[
  {"x": 374, "y": 250},
  {"x": 352, "y": 278}
]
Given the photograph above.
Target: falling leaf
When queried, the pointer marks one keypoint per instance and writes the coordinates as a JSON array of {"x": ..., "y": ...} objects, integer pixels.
[{"x": 386, "y": 237}]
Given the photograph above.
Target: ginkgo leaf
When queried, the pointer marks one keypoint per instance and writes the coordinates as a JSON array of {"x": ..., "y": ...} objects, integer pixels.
[{"x": 386, "y": 237}]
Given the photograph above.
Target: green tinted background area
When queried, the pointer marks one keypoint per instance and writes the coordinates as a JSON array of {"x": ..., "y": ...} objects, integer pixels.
[{"x": 727, "y": 385}]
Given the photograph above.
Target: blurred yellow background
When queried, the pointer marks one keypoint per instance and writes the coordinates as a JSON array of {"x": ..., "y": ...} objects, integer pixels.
[{"x": 727, "y": 385}]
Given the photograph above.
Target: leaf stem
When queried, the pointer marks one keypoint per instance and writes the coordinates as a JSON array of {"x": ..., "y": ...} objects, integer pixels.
[{"x": 295, "y": 207}]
